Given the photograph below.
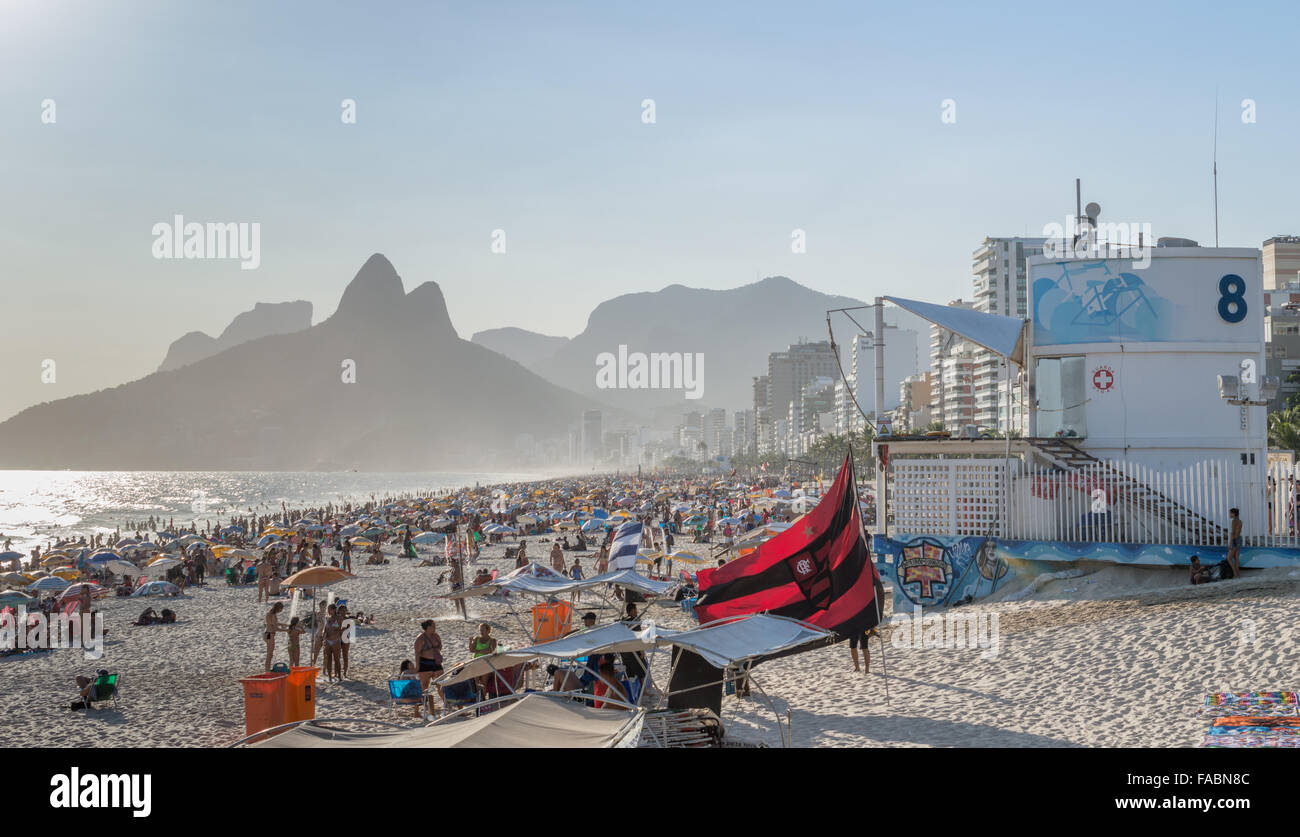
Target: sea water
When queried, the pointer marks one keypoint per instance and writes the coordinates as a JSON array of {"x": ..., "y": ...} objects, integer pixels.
[{"x": 37, "y": 507}]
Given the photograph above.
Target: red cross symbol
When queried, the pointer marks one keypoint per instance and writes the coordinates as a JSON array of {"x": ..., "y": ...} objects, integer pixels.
[{"x": 1102, "y": 379}]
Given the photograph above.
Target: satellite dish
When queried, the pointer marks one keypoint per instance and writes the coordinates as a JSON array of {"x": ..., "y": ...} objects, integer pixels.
[{"x": 1092, "y": 210}]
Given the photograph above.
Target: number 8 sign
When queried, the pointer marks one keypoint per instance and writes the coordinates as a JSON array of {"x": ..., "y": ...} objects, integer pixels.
[{"x": 1232, "y": 298}]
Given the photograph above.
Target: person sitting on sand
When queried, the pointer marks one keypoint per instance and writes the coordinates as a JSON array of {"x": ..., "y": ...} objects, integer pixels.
[
  {"x": 563, "y": 679},
  {"x": 608, "y": 685},
  {"x": 272, "y": 626},
  {"x": 1204, "y": 575},
  {"x": 85, "y": 685},
  {"x": 482, "y": 577}
]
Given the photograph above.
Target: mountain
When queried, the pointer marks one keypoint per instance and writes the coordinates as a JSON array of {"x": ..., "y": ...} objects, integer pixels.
[
  {"x": 529, "y": 348},
  {"x": 265, "y": 319},
  {"x": 385, "y": 383},
  {"x": 734, "y": 330}
]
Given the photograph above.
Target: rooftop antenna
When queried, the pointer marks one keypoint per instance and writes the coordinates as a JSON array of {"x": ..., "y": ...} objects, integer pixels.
[{"x": 1216, "y": 166}]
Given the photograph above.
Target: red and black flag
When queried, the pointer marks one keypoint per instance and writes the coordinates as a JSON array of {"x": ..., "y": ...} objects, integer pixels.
[{"x": 819, "y": 570}]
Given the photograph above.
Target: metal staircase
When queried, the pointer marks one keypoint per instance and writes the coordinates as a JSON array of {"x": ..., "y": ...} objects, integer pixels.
[{"x": 1066, "y": 457}]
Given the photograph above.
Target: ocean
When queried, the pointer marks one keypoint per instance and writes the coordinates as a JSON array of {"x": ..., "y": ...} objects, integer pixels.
[{"x": 39, "y": 506}]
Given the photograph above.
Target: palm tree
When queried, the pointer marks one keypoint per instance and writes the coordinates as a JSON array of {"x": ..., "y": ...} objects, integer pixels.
[{"x": 1284, "y": 429}]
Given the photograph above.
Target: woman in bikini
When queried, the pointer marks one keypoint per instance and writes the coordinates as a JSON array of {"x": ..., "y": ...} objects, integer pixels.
[
  {"x": 272, "y": 625},
  {"x": 295, "y": 631},
  {"x": 333, "y": 640},
  {"x": 484, "y": 643},
  {"x": 428, "y": 653}
]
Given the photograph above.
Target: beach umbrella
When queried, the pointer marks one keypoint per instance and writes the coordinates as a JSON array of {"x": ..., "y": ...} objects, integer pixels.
[
  {"x": 124, "y": 568},
  {"x": 266, "y": 539},
  {"x": 49, "y": 583},
  {"x": 316, "y": 577},
  {"x": 66, "y": 573},
  {"x": 350, "y": 529},
  {"x": 161, "y": 564},
  {"x": 15, "y": 598},
  {"x": 15, "y": 579},
  {"x": 104, "y": 557},
  {"x": 7, "y": 557},
  {"x": 74, "y": 590},
  {"x": 681, "y": 556},
  {"x": 429, "y": 538}
]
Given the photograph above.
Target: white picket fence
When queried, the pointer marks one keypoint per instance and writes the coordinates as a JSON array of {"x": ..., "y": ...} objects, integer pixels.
[{"x": 1105, "y": 501}]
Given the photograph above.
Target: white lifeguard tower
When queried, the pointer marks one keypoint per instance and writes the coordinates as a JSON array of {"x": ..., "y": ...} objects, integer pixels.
[{"x": 1144, "y": 396}]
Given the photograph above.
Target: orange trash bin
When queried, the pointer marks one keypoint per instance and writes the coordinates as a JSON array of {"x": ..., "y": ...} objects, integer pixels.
[
  {"x": 263, "y": 701},
  {"x": 300, "y": 693}
]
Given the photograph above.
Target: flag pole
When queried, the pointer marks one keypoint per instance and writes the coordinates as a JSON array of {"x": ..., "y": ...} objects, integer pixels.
[{"x": 878, "y": 589}]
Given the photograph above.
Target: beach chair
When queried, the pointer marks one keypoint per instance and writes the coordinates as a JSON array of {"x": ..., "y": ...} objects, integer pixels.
[
  {"x": 459, "y": 695},
  {"x": 103, "y": 690},
  {"x": 407, "y": 693}
]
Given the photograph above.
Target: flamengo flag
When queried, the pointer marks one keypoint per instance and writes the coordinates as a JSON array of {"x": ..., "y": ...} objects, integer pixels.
[
  {"x": 819, "y": 570},
  {"x": 627, "y": 540}
]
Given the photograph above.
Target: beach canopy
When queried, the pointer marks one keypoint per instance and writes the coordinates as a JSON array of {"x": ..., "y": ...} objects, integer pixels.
[
  {"x": 316, "y": 577},
  {"x": 555, "y": 585},
  {"x": 1001, "y": 335},
  {"x": 721, "y": 644},
  {"x": 607, "y": 639},
  {"x": 534, "y": 721},
  {"x": 760, "y": 635}
]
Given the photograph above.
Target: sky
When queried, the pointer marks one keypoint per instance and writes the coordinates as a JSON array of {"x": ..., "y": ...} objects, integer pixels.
[{"x": 529, "y": 118}]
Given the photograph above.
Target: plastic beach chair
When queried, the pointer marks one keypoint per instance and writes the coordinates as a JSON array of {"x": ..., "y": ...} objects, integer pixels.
[
  {"x": 458, "y": 696},
  {"x": 103, "y": 690},
  {"x": 407, "y": 693}
]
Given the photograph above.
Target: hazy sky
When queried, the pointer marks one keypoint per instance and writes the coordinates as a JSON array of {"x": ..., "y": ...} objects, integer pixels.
[{"x": 527, "y": 117}]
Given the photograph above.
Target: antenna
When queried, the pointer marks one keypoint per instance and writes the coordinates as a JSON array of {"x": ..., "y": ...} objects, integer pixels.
[{"x": 1216, "y": 166}]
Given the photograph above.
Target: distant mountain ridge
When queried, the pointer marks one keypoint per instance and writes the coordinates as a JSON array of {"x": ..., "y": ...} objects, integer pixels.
[
  {"x": 263, "y": 320},
  {"x": 734, "y": 329},
  {"x": 385, "y": 383},
  {"x": 529, "y": 348}
]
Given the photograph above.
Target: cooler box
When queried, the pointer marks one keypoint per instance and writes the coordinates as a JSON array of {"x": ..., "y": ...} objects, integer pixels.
[
  {"x": 300, "y": 694},
  {"x": 263, "y": 701}
]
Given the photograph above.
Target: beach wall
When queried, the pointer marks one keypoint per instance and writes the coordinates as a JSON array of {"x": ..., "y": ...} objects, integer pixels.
[{"x": 935, "y": 571}]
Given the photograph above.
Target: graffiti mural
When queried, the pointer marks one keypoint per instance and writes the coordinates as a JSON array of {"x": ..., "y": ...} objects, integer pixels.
[{"x": 933, "y": 571}]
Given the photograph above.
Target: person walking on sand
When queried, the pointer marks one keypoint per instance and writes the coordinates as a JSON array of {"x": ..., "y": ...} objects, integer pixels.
[
  {"x": 273, "y": 624},
  {"x": 1234, "y": 543}
]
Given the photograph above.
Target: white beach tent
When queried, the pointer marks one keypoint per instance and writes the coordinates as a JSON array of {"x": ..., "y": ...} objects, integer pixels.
[{"x": 536, "y": 720}]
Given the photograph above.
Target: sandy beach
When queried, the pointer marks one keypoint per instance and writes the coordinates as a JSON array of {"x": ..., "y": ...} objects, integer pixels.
[{"x": 1116, "y": 658}]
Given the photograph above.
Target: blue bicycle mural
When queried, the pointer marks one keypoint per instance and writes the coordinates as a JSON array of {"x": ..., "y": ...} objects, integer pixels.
[{"x": 1088, "y": 303}]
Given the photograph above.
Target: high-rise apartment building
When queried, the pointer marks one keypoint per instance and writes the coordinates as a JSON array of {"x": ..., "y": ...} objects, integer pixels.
[{"x": 1000, "y": 288}]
